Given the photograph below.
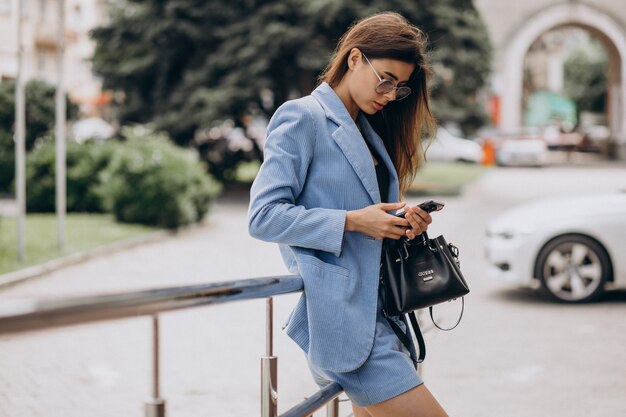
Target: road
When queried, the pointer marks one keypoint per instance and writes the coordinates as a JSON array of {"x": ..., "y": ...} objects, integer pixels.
[{"x": 514, "y": 354}]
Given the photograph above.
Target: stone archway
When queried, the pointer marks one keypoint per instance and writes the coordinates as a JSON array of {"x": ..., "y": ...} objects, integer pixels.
[{"x": 509, "y": 75}]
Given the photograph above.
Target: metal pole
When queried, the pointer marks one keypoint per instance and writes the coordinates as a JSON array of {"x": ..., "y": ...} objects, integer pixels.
[
  {"x": 332, "y": 408},
  {"x": 60, "y": 130},
  {"x": 20, "y": 141},
  {"x": 155, "y": 357},
  {"x": 155, "y": 406},
  {"x": 269, "y": 368},
  {"x": 269, "y": 327}
]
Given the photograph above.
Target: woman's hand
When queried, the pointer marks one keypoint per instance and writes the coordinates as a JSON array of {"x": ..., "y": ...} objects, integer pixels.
[
  {"x": 374, "y": 221},
  {"x": 419, "y": 221}
]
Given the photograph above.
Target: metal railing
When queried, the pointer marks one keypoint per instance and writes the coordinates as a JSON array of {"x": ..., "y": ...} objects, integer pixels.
[{"x": 33, "y": 315}]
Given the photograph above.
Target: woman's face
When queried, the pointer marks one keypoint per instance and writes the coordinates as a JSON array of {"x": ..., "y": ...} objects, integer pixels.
[{"x": 363, "y": 80}]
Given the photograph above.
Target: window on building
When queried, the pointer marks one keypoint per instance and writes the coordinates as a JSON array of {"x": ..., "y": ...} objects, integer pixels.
[
  {"x": 42, "y": 9},
  {"x": 24, "y": 7},
  {"x": 5, "y": 6},
  {"x": 41, "y": 62}
]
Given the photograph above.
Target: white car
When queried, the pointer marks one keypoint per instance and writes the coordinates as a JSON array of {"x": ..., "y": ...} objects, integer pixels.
[
  {"x": 522, "y": 152},
  {"x": 448, "y": 148},
  {"x": 571, "y": 248}
]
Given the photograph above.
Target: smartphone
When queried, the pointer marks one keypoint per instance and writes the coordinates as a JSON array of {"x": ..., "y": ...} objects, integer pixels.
[
  {"x": 431, "y": 205},
  {"x": 428, "y": 206}
]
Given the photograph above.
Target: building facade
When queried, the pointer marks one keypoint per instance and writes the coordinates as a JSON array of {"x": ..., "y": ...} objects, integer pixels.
[
  {"x": 39, "y": 39},
  {"x": 514, "y": 26}
]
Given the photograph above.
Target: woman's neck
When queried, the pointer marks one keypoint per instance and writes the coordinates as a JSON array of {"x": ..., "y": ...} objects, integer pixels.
[{"x": 344, "y": 94}]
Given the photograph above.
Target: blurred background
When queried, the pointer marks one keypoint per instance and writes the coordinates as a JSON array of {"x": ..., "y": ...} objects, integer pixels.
[{"x": 166, "y": 105}]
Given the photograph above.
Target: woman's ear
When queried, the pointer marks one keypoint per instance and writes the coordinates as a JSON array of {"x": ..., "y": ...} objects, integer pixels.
[{"x": 354, "y": 57}]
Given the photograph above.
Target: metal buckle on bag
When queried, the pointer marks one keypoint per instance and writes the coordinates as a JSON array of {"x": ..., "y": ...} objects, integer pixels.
[
  {"x": 406, "y": 254},
  {"x": 455, "y": 254}
]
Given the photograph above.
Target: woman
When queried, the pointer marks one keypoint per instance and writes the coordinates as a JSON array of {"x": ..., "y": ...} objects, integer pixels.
[{"x": 335, "y": 164}]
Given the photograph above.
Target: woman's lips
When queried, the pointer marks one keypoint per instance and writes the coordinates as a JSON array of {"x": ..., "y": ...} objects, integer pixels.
[{"x": 378, "y": 106}]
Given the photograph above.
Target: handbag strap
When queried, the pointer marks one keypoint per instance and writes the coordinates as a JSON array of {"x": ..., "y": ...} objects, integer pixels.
[
  {"x": 405, "y": 337},
  {"x": 457, "y": 322},
  {"x": 418, "y": 335}
]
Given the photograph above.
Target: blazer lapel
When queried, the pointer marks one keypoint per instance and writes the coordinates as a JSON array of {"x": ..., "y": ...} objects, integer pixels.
[
  {"x": 376, "y": 141},
  {"x": 348, "y": 138}
]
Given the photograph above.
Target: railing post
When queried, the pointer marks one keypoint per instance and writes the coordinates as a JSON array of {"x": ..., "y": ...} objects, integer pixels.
[
  {"x": 269, "y": 368},
  {"x": 332, "y": 408},
  {"x": 155, "y": 406}
]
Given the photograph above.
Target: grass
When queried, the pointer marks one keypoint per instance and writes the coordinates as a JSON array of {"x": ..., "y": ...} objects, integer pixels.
[
  {"x": 83, "y": 232},
  {"x": 246, "y": 171},
  {"x": 444, "y": 178}
]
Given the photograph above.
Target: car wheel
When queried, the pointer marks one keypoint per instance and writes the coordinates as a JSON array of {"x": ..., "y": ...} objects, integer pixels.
[{"x": 573, "y": 268}]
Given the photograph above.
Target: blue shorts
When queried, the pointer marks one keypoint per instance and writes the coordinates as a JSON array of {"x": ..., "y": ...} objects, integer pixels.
[{"x": 387, "y": 372}]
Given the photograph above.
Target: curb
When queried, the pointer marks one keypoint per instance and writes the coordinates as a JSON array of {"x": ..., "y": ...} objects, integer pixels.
[
  {"x": 24, "y": 274},
  {"x": 30, "y": 272}
]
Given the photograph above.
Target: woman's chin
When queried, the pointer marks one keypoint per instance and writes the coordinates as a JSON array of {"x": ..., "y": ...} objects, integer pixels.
[{"x": 371, "y": 109}]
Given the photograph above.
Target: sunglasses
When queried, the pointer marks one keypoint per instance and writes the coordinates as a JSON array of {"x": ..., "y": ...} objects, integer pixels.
[{"x": 386, "y": 86}]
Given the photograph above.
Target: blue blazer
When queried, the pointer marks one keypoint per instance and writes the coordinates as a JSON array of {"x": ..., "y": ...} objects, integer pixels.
[{"x": 316, "y": 167}]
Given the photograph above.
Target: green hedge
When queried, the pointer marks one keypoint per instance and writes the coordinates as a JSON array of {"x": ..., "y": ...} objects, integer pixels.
[
  {"x": 84, "y": 162},
  {"x": 153, "y": 182},
  {"x": 7, "y": 162},
  {"x": 145, "y": 180},
  {"x": 39, "y": 112}
]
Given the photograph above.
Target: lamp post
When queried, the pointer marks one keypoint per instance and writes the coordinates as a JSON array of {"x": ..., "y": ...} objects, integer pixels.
[
  {"x": 20, "y": 146},
  {"x": 60, "y": 130}
]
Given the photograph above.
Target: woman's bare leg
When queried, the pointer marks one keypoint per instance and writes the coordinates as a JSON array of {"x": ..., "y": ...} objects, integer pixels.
[
  {"x": 416, "y": 402},
  {"x": 360, "y": 411}
]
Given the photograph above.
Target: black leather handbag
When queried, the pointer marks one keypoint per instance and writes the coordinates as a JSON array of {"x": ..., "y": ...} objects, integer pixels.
[{"x": 416, "y": 274}]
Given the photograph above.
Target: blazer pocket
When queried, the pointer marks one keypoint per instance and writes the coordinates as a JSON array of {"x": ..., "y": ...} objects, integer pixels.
[
  {"x": 332, "y": 283},
  {"x": 324, "y": 266},
  {"x": 328, "y": 290}
]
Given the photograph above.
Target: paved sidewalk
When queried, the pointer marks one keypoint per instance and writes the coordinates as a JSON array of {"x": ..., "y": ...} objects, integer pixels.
[
  {"x": 513, "y": 355},
  {"x": 210, "y": 355}
]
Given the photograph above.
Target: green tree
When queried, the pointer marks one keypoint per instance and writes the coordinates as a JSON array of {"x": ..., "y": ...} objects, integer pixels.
[
  {"x": 461, "y": 59},
  {"x": 585, "y": 73},
  {"x": 183, "y": 64},
  {"x": 39, "y": 98}
]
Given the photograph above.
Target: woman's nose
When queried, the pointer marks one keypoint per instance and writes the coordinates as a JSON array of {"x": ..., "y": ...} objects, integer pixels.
[{"x": 392, "y": 94}]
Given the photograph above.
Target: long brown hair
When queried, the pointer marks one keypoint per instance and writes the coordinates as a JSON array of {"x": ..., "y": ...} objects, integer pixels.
[{"x": 401, "y": 124}]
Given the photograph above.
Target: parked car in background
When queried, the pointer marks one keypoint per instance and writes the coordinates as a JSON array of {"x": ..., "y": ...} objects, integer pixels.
[
  {"x": 526, "y": 147},
  {"x": 594, "y": 138},
  {"x": 560, "y": 140},
  {"x": 449, "y": 148},
  {"x": 522, "y": 152},
  {"x": 572, "y": 249}
]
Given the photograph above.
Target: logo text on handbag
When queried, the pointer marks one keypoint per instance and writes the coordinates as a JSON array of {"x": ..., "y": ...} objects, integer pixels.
[{"x": 426, "y": 275}]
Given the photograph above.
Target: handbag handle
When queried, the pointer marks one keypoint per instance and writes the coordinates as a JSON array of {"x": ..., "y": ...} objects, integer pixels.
[
  {"x": 402, "y": 250},
  {"x": 457, "y": 322},
  {"x": 425, "y": 241}
]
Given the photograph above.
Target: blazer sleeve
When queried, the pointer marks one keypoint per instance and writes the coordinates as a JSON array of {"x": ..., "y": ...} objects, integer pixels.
[{"x": 274, "y": 215}]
